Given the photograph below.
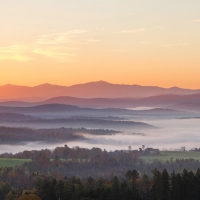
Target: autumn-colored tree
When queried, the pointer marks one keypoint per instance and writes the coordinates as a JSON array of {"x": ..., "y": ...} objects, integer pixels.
[{"x": 29, "y": 197}]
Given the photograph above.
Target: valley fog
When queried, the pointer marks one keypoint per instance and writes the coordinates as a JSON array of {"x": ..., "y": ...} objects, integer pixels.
[{"x": 172, "y": 134}]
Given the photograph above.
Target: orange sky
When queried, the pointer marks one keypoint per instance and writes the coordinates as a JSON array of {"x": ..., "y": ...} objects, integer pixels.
[{"x": 65, "y": 43}]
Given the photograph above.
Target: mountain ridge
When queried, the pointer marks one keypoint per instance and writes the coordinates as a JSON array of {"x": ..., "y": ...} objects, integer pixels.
[
  {"x": 98, "y": 89},
  {"x": 163, "y": 101}
]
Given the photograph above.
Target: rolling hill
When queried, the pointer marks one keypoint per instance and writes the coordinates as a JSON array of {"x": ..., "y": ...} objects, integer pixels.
[
  {"x": 163, "y": 101},
  {"x": 55, "y": 111}
]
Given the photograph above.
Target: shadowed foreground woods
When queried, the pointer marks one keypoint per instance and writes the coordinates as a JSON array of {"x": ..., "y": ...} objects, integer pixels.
[
  {"x": 82, "y": 174},
  {"x": 161, "y": 186}
]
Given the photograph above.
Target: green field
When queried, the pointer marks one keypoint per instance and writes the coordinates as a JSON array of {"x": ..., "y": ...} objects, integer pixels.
[
  {"x": 164, "y": 156},
  {"x": 10, "y": 162},
  {"x": 167, "y": 155}
]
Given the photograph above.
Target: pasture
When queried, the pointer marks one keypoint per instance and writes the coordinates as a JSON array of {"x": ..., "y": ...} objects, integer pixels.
[
  {"x": 11, "y": 162},
  {"x": 172, "y": 155}
]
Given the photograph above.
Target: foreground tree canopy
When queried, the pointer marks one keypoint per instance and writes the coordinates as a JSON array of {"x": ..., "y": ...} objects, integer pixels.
[
  {"x": 82, "y": 174},
  {"x": 161, "y": 186}
]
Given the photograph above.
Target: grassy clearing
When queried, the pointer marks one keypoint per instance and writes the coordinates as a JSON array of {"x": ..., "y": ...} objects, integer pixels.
[
  {"x": 10, "y": 162},
  {"x": 164, "y": 156},
  {"x": 167, "y": 155}
]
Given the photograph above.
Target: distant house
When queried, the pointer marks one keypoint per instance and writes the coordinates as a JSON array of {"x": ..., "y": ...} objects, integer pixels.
[
  {"x": 151, "y": 151},
  {"x": 131, "y": 151}
]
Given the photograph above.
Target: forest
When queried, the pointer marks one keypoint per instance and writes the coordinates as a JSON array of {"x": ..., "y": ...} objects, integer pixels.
[
  {"x": 83, "y": 174},
  {"x": 12, "y": 135}
]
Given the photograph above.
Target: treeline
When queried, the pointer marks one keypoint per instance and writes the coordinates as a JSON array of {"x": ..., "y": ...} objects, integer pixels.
[
  {"x": 82, "y": 162},
  {"x": 83, "y": 174},
  {"x": 10, "y": 135},
  {"x": 160, "y": 186},
  {"x": 95, "y": 122},
  {"x": 15, "y": 117}
]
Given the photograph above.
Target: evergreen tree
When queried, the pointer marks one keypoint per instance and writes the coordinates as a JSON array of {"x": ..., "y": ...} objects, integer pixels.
[
  {"x": 165, "y": 185},
  {"x": 157, "y": 185},
  {"x": 59, "y": 189},
  {"x": 115, "y": 191},
  {"x": 197, "y": 184},
  {"x": 47, "y": 191}
]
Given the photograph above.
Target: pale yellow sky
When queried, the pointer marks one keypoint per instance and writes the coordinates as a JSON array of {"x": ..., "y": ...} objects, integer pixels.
[{"x": 132, "y": 42}]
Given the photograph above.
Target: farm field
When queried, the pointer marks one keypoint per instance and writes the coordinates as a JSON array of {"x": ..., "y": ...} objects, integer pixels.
[
  {"x": 168, "y": 155},
  {"x": 164, "y": 156},
  {"x": 10, "y": 162}
]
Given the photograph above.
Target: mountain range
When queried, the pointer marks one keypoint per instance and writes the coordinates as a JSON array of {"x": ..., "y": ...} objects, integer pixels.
[
  {"x": 99, "y": 89},
  {"x": 179, "y": 102}
]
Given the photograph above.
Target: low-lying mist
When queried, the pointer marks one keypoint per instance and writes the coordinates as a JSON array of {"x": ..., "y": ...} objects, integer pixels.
[{"x": 172, "y": 134}]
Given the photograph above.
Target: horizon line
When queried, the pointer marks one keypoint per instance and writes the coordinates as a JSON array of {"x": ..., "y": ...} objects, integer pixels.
[{"x": 98, "y": 81}]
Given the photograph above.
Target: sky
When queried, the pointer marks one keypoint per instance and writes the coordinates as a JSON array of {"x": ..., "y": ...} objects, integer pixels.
[{"x": 145, "y": 42}]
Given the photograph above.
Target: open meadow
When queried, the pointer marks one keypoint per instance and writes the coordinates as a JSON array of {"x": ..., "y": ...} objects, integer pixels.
[
  {"x": 163, "y": 157},
  {"x": 10, "y": 162},
  {"x": 172, "y": 155}
]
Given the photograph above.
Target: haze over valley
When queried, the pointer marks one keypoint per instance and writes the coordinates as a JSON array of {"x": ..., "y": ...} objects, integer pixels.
[
  {"x": 150, "y": 116},
  {"x": 99, "y": 100}
]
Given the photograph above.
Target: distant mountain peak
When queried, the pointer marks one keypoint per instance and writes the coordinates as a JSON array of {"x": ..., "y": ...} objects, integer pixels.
[
  {"x": 175, "y": 87},
  {"x": 9, "y": 85},
  {"x": 44, "y": 84},
  {"x": 99, "y": 82},
  {"x": 48, "y": 85},
  {"x": 12, "y": 86}
]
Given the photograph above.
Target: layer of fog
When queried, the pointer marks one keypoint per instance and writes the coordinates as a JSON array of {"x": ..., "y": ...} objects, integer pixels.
[
  {"x": 172, "y": 134},
  {"x": 120, "y": 125},
  {"x": 28, "y": 146},
  {"x": 141, "y": 108}
]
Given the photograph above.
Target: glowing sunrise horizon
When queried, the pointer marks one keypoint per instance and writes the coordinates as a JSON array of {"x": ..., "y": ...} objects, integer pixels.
[{"x": 149, "y": 43}]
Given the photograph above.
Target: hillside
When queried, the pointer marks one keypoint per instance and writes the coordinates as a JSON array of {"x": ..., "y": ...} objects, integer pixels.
[{"x": 164, "y": 100}]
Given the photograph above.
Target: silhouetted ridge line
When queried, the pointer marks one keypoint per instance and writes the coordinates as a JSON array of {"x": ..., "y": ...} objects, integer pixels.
[{"x": 99, "y": 89}]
